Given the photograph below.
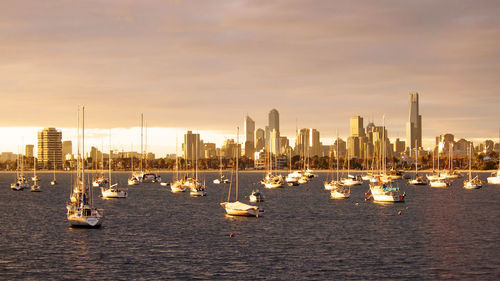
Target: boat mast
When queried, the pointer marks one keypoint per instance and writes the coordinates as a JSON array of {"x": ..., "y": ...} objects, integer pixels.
[
  {"x": 237, "y": 156},
  {"x": 142, "y": 137},
  {"x": 470, "y": 161},
  {"x": 337, "y": 155},
  {"x": 109, "y": 162}
]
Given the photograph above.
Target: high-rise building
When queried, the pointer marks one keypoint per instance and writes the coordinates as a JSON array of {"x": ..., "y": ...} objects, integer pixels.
[
  {"x": 249, "y": 127},
  {"x": 260, "y": 139},
  {"x": 315, "y": 144},
  {"x": 29, "y": 150},
  {"x": 67, "y": 148},
  {"x": 50, "y": 148},
  {"x": 210, "y": 150},
  {"x": 192, "y": 146},
  {"x": 414, "y": 125},
  {"x": 357, "y": 139},
  {"x": 357, "y": 129},
  {"x": 274, "y": 130}
]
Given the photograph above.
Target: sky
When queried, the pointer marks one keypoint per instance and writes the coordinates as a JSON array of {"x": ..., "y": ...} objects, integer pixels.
[{"x": 203, "y": 65}]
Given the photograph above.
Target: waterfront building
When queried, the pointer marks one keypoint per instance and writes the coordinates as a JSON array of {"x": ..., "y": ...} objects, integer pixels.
[
  {"x": 260, "y": 139},
  {"x": 50, "y": 148}
]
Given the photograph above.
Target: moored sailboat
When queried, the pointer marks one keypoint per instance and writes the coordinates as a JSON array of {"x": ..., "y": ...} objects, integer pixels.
[
  {"x": 237, "y": 208},
  {"x": 80, "y": 209}
]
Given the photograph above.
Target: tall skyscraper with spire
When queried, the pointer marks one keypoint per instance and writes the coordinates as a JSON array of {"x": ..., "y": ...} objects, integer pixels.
[{"x": 414, "y": 125}]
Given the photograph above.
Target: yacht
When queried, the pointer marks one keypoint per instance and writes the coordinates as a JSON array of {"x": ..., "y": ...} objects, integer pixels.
[
  {"x": 80, "y": 209},
  {"x": 222, "y": 179},
  {"x": 386, "y": 193},
  {"x": 177, "y": 186},
  {"x": 494, "y": 178},
  {"x": 417, "y": 180},
  {"x": 472, "y": 183},
  {"x": 236, "y": 208},
  {"x": 256, "y": 196},
  {"x": 35, "y": 187},
  {"x": 112, "y": 190},
  {"x": 439, "y": 183},
  {"x": 21, "y": 181},
  {"x": 341, "y": 192}
]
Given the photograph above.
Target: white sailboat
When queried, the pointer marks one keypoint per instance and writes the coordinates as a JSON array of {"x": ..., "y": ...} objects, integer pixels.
[
  {"x": 197, "y": 189},
  {"x": 436, "y": 180},
  {"x": 222, "y": 179},
  {"x": 495, "y": 176},
  {"x": 21, "y": 182},
  {"x": 350, "y": 180},
  {"x": 256, "y": 196},
  {"x": 237, "y": 208},
  {"x": 272, "y": 181},
  {"x": 54, "y": 181},
  {"x": 80, "y": 209},
  {"x": 132, "y": 180},
  {"x": 177, "y": 186},
  {"x": 35, "y": 187},
  {"x": 417, "y": 180},
  {"x": 384, "y": 191},
  {"x": 112, "y": 190},
  {"x": 472, "y": 183},
  {"x": 144, "y": 175}
]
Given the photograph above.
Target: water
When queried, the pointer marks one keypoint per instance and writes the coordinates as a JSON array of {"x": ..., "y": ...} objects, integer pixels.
[{"x": 447, "y": 233}]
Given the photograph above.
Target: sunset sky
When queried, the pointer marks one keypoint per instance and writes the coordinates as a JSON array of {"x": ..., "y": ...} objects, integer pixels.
[{"x": 203, "y": 65}]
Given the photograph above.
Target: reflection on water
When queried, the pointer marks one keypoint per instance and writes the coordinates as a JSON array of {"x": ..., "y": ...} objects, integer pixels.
[{"x": 447, "y": 233}]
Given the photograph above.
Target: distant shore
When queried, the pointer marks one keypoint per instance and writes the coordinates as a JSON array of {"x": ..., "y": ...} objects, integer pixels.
[{"x": 228, "y": 170}]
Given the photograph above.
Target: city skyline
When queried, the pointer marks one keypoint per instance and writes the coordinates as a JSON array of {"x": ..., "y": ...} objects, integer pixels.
[{"x": 317, "y": 64}]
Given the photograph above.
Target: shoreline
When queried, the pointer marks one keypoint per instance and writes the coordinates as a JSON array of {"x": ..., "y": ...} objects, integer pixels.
[{"x": 229, "y": 170}]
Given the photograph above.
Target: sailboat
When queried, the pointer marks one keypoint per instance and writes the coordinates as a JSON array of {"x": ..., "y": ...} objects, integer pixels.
[
  {"x": 101, "y": 180},
  {"x": 35, "y": 187},
  {"x": 472, "y": 183},
  {"x": 177, "y": 186},
  {"x": 238, "y": 208},
  {"x": 80, "y": 209},
  {"x": 417, "y": 180},
  {"x": 333, "y": 184},
  {"x": 112, "y": 190},
  {"x": 222, "y": 179},
  {"x": 350, "y": 180},
  {"x": 54, "y": 181},
  {"x": 144, "y": 175},
  {"x": 132, "y": 180},
  {"x": 337, "y": 189},
  {"x": 292, "y": 179},
  {"x": 197, "y": 189},
  {"x": 21, "y": 182},
  {"x": 495, "y": 176},
  {"x": 271, "y": 180},
  {"x": 383, "y": 191},
  {"x": 437, "y": 180}
]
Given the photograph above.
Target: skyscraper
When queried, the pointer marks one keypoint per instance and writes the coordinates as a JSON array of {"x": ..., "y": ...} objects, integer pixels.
[
  {"x": 67, "y": 148},
  {"x": 29, "y": 150},
  {"x": 357, "y": 139},
  {"x": 274, "y": 131},
  {"x": 260, "y": 139},
  {"x": 357, "y": 129},
  {"x": 191, "y": 146},
  {"x": 414, "y": 125},
  {"x": 249, "y": 137},
  {"x": 50, "y": 148}
]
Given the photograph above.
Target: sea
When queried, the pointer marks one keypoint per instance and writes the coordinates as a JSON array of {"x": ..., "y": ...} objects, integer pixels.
[{"x": 437, "y": 234}]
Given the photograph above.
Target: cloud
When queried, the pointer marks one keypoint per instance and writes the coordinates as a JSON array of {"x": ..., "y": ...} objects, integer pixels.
[{"x": 203, "y": 64}]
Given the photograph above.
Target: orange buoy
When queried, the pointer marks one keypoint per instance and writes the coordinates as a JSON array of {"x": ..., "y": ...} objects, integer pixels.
[
  {"x": 231, "y": 234},
  {"x": 399, "y": 213},
  {"x": 367, "y": 199},
  {"x": 367, "y": 193}
]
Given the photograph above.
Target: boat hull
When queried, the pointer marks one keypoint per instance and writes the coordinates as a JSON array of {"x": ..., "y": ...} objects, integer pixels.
[
  {"x": 334, "y": 194},
  {"x": 494, "y": 180},
  {"x": 241, "y": 209}
]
